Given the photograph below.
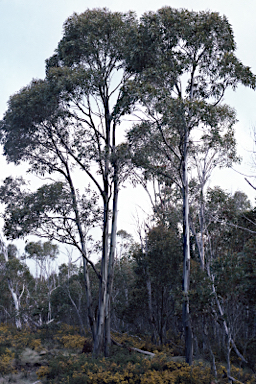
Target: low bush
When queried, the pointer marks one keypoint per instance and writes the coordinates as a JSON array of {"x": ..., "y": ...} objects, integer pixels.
[{"x": 58, "y": 360}]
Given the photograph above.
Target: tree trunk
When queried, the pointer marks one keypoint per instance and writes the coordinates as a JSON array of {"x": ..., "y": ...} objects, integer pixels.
[
  {"x": 150, "y": 309},
  {"x": 228, "y": 358},
  {"x": 111, "y": 266},
  {"x": 16, "y": 301},
  {"x": 90, "y": 315},
  {"x": 202, "y": 224},
  {"x": 100, "y": 327},
  {"x": 15, "y": 297},
  {"x": 186, "y": 261}
]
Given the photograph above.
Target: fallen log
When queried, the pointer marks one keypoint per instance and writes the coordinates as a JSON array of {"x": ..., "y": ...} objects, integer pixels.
[{"x": 151, "y": 354}]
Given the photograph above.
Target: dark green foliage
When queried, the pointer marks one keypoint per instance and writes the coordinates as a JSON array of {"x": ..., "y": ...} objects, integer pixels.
[
  {"x": 49, "y": 211},
  {"x": 153, "y": 298},
  {"x": 32, "y": 106}
]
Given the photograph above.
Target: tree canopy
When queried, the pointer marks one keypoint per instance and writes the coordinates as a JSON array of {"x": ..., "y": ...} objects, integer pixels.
[{"x": 170, "y": 68}]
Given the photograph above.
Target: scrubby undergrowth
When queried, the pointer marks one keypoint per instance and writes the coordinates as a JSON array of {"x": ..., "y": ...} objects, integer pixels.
[{"x": 53, "y": 355}]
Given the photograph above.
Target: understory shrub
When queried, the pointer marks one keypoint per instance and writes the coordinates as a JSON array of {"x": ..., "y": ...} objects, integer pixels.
[{"x": 59, "y": 360}]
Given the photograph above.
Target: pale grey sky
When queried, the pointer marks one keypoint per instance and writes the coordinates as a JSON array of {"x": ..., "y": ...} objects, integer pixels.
[{"x": 31, "y": 29}]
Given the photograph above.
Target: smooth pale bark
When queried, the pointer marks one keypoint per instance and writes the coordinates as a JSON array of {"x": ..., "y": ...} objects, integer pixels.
[
  {"x": 16, "y": 301},
  {"x": 102, "y": 303},
  {"x": 186, "y": 262},
  {"x": 100, "y": 326},
  {"x": 16, "y": 298},
  {"x": 186, "y": 237},
  {"x": 111, "y": 267},
  {"x": 202, "y": 230}
]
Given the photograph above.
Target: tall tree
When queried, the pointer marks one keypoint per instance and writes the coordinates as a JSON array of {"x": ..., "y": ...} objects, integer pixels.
[
  {"x": 186, "y": 61},
  {"x": 68, "y": 122}
]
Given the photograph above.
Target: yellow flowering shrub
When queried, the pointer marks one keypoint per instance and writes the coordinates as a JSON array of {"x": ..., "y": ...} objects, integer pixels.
[
  {"x": 69, "y": 337},
  {"x": 18, "y": 340},
  {"x": 239, "y": 374},
  {"x": 77, "y": 375},
  {"x": 6, "y": 362},
  {"x": 35, "y": 344},
  {"x": 70, "y": 329},
  {"x": 122, "y": 367},
  {"x": 71, "y": 341},
  {"x": 42, "y": 371}
]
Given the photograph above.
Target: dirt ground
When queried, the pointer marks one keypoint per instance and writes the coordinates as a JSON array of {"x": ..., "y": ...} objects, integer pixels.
[{"x": 29, "y": 377}]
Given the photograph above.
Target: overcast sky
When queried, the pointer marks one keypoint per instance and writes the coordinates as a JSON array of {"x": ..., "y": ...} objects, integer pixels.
[{"x": 31, "y": 29}]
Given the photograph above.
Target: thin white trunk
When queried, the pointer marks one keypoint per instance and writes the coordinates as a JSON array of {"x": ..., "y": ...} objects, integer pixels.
[
  {"x": 226, "y": 328},
  {"x": 16, "y": 298},
  {"x": 100, "y": 327},
  {"x": 186, "y": 261},
  {"x": 202, "y": 229},
  {"x": 16, "y": 301},
  {"x": 111, "y": 266}
]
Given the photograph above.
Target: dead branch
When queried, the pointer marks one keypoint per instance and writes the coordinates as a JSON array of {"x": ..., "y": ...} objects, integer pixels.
[
  {"x": 151, "y": 354},
  {"x": 250, "y": 183}
]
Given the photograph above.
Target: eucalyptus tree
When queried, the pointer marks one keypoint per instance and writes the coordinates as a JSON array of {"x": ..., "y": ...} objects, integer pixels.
[
  {"x": 186, "y": 61},
  {"x": 68, "y": 122},
  {"x": 229, "y": 229},
  {"x": 17, "y": 275},
  {"x": 44, "y": 255},
  {"x": 217, "y": 148}
]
